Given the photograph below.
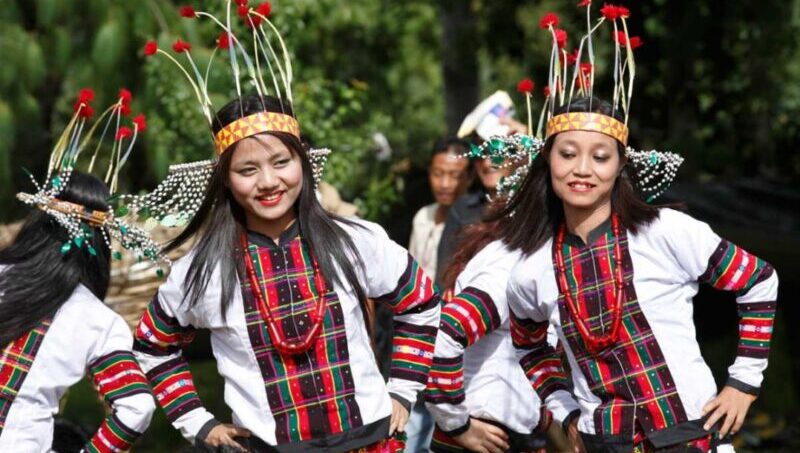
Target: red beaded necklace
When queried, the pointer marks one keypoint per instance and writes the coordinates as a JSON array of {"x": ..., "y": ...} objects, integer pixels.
[
  {"x": 283, "y": 345},
  {"x": 593, "y": 342}
]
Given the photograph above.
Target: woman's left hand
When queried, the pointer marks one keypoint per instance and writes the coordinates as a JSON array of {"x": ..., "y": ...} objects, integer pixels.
[
  {"x": 733, "y": 405},
  {"x": 399, "y": 417}
]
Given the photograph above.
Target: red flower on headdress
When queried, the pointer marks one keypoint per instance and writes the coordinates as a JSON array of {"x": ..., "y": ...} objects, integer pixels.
[
  {"x": 586, "y": 68},
  {"x": 224, "y": 41},
  {"x": 624, "y": 40},
  {"x": 150, "y": 48},
  {"x": 188, "y": 12},
  {"x": 623, "y": 12},
  {"x": 525, "y": 86},
  {"x": 635, "y": 42},
  {"x": 81, "y": 106},
  {"x": 181, "y": 46},
  {"x": 123, "y": 132},
  {"x": 548, "y": 20},
  {"x": 125, "y": 109},
  {"x": 572, "y": 57},
  {"x": 85, "y": 95},
  {"x": 547, "y": 92},
  {"x": 241, "y": 2},
  {"x": 140, "y": 122},
  {"x": 610, "y": 12},
  {"x": 585, "y": 3},
  {"x": 86, "y": 111},
  {"x": 243, "y": 11},
  {"x": 561, "y": 38},
  {"x": 265, "y": 9},
  {"x": 125, "y": 96}
]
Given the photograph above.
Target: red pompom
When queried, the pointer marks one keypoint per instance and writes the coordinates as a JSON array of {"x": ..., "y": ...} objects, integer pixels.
[
  {"x": 548, "y": 20},
  {"x": 635, "y": 42},
  {"x": 181, "y": 46},
  {"x": 586, "y": 68},
  {"x": 546, "y": 92},
  {"x": 572, "y": 57},
  {"x": 86, "y": 112},
  {"x": 125, "y": 109},
  {"x": 624, "y": 41},
  {"x": 561, "y": 38},
  {"x": 241, "y": 2},
  {"x": 224, "y": 41},
  {"x": 623, "y": 12},
  {"x": 150, "y": 48},
  {"x": 123, "y": 132},
  {"x": 243, "y": 11},
  {"x": 85, "y": 95},
  {"x": 188, "y": 12},
  {"x": 525, "y": 86},
  {"x": 252, "y": 21},
  {"x": 265, "y": 9},
  {"x": 140, "y": 122},
  {"x": 610, "y": 12},
  {"x": 585, "y": 3},
  {"x": 125, "y": 96}
]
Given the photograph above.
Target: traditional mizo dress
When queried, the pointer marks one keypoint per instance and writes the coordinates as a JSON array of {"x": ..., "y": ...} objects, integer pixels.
[
  {"x": 37, "y": 369},
  {"x": 652, "y": 383},
  {"x": 475, "y": 370},
  {"x": 331, "y": 397}
]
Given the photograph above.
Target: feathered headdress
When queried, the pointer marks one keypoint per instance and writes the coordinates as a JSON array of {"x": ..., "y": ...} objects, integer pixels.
[
  {"x": 76, "y": 138},
  {"x": 268, "y": 68}
]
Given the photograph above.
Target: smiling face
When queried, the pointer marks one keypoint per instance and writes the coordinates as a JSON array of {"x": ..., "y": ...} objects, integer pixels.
[
  {"x": 583, "y": 168},
  {"x": 265, "y": 178}
]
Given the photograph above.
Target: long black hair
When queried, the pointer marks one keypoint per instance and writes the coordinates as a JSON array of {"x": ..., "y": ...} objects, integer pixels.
[
  {"x": 220, "y": 220},
  {"x": 537, "y": 210},
  {"x": 39, "y": 278}
]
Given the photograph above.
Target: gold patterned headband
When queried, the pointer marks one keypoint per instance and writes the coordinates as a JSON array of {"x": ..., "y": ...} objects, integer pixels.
[
  {"x": 255, "y": 124},
  {"x": 593, "y": 122}
]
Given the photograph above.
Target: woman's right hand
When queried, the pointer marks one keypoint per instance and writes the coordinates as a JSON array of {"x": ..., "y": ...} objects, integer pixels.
[
  {"x": 482, "y": 437},
  {"x": 223, "y": 434}
]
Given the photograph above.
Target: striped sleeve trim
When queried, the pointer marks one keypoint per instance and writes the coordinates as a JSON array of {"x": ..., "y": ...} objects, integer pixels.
[
  {"x": 756, "y": 321},
  {"x": 542, "y": 364},
  {"x": 118, "y": 375},
  {"x": 446, "y": 381},
  {"x": 731, "y": 268},
  {"x": 412, "y": 351},
  {"x": 469, "y": 316},
  {"x": 112, "y": 437},
  {"x": 159, "y": 333},
  {"x": 414, "y": 292},
  {"x": 174, "y": 388}
]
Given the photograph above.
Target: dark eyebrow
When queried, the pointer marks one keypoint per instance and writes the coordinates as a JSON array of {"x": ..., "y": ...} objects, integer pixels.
[{"x": 247, "y": 162}]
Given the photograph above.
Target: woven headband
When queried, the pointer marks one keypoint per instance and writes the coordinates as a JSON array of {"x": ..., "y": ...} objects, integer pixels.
[
  {"x": 593, "y": 122},
  {"x": 255, "y": 124}
]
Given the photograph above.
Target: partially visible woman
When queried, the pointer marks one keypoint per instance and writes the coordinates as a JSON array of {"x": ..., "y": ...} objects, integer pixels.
[
  {"x": 54, "y": 329},
  {"x": 616, "y": 277}
]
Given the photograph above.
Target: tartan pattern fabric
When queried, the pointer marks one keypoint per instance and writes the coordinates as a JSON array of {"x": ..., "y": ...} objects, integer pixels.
[
  {"x": 117, "y": 375},
  {"x": 15, "y": 362},
  {"x": 469, "y": 316},
  {"x": 312, "y": 394},
  {"x": 174, "y": 388},
  {"x": 631, "y": 378},
  {"x": 412, "y": 345},
  {"x": 446, "y": 381},
  {"x": 542, "y": 363},
  {"x": 394, "y": 444},
  {"x": 160, "y": 334},
  {"x": 731, "y": 268},
  {"x": 466, "y": 318},
  {"x": 112, "y": 437},
  {"x": 442, "y": 443}
]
